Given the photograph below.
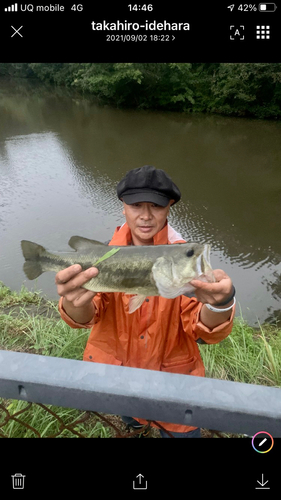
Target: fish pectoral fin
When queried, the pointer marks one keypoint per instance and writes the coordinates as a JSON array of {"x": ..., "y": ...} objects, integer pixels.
[
  {"x": 81, "y": 244},
  {"x": 135, "y": 302}
]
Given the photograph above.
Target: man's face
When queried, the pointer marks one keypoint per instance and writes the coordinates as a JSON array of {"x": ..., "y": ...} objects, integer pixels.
[{"x": 145, "y": 220}]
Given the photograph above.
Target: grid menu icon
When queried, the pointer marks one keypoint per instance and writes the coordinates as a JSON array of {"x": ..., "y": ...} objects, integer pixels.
[{"x": 263, "y": 32}]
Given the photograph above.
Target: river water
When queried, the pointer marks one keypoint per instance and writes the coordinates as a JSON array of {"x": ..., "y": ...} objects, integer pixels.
[{"x": 62, "y": 155}]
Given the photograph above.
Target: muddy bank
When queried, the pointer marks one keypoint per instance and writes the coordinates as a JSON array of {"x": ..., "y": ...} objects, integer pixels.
[{"x": 45, "y": 308}]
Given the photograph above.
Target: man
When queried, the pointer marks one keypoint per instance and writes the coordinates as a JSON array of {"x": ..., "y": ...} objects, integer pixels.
[{"x": 163, "y": 333}]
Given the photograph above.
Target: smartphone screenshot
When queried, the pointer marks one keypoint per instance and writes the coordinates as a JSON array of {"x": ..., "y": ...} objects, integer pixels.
[{"x": 140, "y": 277}]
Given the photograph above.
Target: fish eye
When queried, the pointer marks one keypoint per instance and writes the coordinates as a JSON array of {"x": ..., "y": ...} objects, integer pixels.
[{"x": 189, "y": 253}]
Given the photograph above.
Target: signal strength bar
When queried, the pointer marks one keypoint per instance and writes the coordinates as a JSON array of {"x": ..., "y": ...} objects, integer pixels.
[{"x": 12, "y": 8}]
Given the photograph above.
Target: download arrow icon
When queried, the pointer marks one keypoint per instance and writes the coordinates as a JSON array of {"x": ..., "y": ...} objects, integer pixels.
[{"x": 262, "y": 483}]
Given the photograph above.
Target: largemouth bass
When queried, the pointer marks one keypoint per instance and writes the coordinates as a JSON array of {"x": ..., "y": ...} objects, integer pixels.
[{"x": 140, "y": 271}]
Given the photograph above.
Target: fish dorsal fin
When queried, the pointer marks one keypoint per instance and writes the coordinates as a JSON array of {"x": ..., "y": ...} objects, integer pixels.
[{"x": 81, "y": 244}]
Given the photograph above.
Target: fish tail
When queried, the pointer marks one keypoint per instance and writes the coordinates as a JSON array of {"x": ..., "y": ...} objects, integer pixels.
[
  {"x": 32, "y": 253},
  {"x": 32, "y": 269}
]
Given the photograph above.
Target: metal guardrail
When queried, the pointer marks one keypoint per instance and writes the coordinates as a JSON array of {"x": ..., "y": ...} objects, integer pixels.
[{"x": 203, "y": 402}]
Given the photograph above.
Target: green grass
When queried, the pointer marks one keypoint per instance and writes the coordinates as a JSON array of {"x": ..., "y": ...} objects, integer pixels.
[
  {"x": 41, "y": 335},
  {"x": 49, "y": 336},
  {"x": 250, "y": 355},
  {"x": 10, "y": 298},
  {"x": 40, "y": 421}
]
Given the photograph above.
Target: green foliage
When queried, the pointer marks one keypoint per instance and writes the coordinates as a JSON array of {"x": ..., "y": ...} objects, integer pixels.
[
  {"x": 250, "y": 355},
  {"x": 247, "y": 89},
  {"x": 57, "y": 73},
  {"x": 150, "y": 85},
  {"x": 241, "y": 89},
  {"x": 15, "y": 70}
]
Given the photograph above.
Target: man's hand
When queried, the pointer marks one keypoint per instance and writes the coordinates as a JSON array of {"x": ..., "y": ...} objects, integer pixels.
[
  {"x": 214, "y": 293},
  {"x": 69, "y": 283}
]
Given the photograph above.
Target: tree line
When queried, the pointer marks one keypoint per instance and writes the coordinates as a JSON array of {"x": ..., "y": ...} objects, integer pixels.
[{"x": 234, "y": 89}]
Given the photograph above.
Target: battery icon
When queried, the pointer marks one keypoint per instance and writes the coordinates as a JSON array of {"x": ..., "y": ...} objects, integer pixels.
[{"x": 267, "y": 7}]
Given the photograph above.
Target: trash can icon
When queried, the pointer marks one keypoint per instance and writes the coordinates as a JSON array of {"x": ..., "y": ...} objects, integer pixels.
[{"x": 18, "y": 481}]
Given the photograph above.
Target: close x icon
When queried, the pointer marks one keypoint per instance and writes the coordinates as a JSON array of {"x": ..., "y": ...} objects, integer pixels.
[
  {"x": 237, "y": 32},
  {"x": 17, "y": 31}
]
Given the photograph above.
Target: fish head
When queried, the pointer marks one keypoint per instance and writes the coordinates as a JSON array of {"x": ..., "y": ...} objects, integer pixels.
[{"x": 174, "y": 271}]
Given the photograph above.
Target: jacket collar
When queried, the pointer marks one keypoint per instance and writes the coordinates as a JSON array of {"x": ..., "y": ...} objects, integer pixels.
[{"x": 123, "y": 236}]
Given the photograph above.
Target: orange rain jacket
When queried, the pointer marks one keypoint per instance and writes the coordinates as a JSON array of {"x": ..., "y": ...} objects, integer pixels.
[{"x": 160, "y": 335}]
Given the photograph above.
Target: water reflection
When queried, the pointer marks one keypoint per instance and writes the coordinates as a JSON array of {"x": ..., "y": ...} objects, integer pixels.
[{"x": 61, "y": 157}]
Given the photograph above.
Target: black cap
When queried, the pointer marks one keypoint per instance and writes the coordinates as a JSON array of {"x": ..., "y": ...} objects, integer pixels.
[{"x": 148, "y": 184}]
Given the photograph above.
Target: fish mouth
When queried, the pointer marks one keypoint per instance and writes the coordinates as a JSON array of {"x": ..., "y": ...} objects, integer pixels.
[{"x": 203, "y": 265}]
